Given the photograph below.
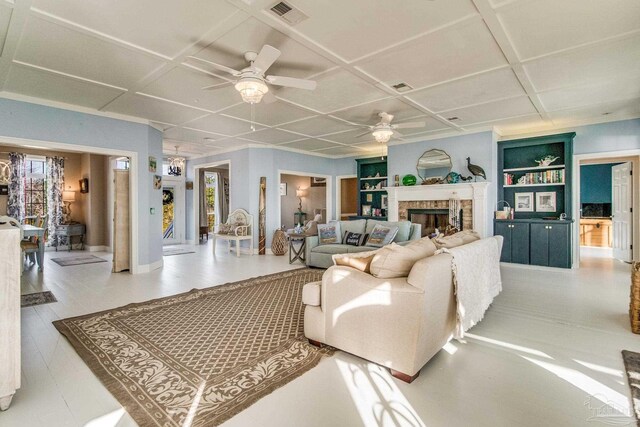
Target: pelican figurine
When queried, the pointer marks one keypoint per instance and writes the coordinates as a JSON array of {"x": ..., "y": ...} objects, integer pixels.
[{"x": 475, "y": 170}]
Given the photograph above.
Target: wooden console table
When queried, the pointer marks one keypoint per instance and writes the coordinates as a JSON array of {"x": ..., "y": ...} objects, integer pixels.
[{"x": 66, "y": 232}]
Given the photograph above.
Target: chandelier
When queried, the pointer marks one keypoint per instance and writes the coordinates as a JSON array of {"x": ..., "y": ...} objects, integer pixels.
[
  {"x": 382, "y": 135},
  {"x": 251, "y": 89},
  {"x": 176, "y": 164}
]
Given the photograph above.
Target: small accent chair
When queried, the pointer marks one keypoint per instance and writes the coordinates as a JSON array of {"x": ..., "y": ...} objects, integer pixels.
[
  {"x": 31, "y": 246},
  {"x": 238, "y": 227}
]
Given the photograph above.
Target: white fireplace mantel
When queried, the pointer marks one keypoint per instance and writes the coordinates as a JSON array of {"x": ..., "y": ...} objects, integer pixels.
[{"x": 477, "y": 192}]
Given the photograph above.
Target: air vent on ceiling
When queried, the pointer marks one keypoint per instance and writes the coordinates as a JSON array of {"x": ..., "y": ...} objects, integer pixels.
[
  {"x": 451, "y": 119},
  {"x": 402, "y": 87},
  {"x": 288, "y": 13}
]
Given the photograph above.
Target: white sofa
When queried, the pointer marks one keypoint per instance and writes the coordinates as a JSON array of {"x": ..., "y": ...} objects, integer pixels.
[{"x": 399, "y": 323}]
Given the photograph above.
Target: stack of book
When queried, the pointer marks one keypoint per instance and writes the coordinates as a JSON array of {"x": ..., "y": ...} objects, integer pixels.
[{"x": 555, "y": 176}]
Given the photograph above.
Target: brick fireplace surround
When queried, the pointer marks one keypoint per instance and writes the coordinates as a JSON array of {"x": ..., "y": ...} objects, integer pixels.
[{"x": 473, "y": 201}]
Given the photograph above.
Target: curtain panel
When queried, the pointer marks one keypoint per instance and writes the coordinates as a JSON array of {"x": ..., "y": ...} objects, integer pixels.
[
  {"x": 55, "y": 186},
  {"x": 17, "y": 185}
]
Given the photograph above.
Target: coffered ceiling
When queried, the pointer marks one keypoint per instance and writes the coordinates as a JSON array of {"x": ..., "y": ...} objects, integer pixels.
[{"x": 515, "y": 65}]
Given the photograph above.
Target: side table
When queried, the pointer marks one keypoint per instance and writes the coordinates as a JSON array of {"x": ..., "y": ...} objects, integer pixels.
[
  {"x": 66, "y": 232},
  {"x": 299, "y": 253}
]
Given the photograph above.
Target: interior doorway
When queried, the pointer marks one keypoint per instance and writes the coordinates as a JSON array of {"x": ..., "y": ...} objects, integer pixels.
[
  {"x": 607, "y": 212},
  {"x": 302, "y": 198},
  {"x": 211, "y": 197},
  {"x": 347, "y": 197},
  {"x": 173, "y": 210}
]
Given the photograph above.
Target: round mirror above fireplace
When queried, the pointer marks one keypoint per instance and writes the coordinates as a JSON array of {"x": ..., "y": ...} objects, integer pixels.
[{"x": 433, "y": 166}]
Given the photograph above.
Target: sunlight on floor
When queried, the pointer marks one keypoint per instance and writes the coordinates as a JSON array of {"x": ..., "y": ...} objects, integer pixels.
[
  {"x": 600, "y": 368},
  {"x": 450, "y": 348},
  {"x": 509, "y": 346},
  {"x": 194, "y": 406},
  {"x": 108, "y": 420},
  {"x": 378, "y": 400}
]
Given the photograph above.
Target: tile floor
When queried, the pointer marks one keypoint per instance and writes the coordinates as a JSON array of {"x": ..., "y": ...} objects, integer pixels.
[{"x": 546, "y": 354}]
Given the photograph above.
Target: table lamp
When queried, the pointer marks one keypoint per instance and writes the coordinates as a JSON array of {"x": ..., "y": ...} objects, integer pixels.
[{"x": 68, "y": 197}]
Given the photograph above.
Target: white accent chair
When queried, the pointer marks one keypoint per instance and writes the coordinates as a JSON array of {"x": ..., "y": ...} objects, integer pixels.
[{"x": 238, "y": 227}]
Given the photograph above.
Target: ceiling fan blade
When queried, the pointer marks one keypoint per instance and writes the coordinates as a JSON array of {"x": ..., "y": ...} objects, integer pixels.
[
  {"x": 363, "y": 134},
  {"x": 269, "y": 98},
  {"x": 410, "y": 125},
  {"x": 214, "y": 65},
  {"x": 292, "y": 82},
  {"x": 266, "y": 58},
  {"x": 397, "y": 134}
]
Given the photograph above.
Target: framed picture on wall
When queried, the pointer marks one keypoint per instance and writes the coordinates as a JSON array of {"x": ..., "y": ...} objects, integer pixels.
[
  {"x": 84, "y": 185},
  {"x": 369, "y": 197},
  {"x": 153, "y": 164},
  {"x": 383, "y": 201},
  {"x": 318, "y": 182},
  {"x": 157, "y": 182},
  {"x": 524, "y": 202},
  {"x": 283, "y": 188},
  {"x": 546, "y": 201},
  {"x": 366, "y": 210}
]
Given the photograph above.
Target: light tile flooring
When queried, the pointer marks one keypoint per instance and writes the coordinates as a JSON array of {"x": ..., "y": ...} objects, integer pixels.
[{"x": 546, "y": 354}]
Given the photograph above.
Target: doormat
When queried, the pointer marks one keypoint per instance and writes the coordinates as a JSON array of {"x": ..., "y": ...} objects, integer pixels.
[
  {"x": 77, "y": 260},
  {"x": 37, "y": 298},
  {"x": 177, "y": 251}
]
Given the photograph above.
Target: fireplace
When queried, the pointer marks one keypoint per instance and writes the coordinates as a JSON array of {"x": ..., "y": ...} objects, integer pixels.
[{"x": 431, "y": 219}]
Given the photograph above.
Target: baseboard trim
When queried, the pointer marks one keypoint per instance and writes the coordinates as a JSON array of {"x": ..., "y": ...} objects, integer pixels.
[
  {"x": 146, "y": 268},
  {"x": 100, "y": 248}
]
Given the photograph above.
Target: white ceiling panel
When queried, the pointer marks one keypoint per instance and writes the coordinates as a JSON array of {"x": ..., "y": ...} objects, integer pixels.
[
  {"x": 5, "y": 18},
  {"x": 268, "y": 114},
  {"x": 295, "y": 61},
  {"x": 342, "y": 151},
  {"x": 163, "y": 126},
  {"x": 623, "y": 109},
  {"x": 222, "y": 125},
  {"x": 469, "y": 91},
  {"x": 58, "y": 48},
  {"x": 192, "y": 135},
  {"x": 166, "y": 27},
  {"x": 317, "y": 126},
  {"x": 521, "y": 125},
  {"x": 42, "y": 84},
  {"x": 493, "y": 111},
  {"x": 271, "y": 136},
  {"x": 431, "y": 124},
  {"x": 336, "y": 90},
  {"x": 379, "y": 23},
  {"x": 184, "y": 85},
  {"x": 367, "y": 114},
  {"x": 185, "y": 149},
  {"x": 594, "y": 64},
  {"x": 575, "y": 97},
  {"x": 438, "y": 57},
  {"x": 311, "y": 144},
  {"x": 153, "y": 109},
  {"x": 543, "y": 26},
  {"x": 351, "y": 137}
]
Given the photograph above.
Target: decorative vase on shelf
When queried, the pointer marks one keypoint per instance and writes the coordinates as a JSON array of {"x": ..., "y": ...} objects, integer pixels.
[
  {"x": 409, "y": 180},
  {"x": 546, "y": 160},
  {"x": 279, "y": 243}
]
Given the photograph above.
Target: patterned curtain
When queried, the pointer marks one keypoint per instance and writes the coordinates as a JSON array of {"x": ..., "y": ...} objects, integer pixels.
[
  {"x": 55, "y": 186},
  {"x": 17, "y": 184}
]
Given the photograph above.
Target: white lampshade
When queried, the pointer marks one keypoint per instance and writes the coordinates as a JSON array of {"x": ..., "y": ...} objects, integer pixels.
[
  {"x": 68, "y": 196},
  {"x": 251, "y": 89},
  {"x": 300, "y": 193},
  {"x": 382, "y": 135}
]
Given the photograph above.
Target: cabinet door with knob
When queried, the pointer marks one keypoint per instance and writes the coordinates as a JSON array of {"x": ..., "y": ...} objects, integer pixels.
[
  {"x": 550, "y": 245},
  {"x": 515, "y": 247}
]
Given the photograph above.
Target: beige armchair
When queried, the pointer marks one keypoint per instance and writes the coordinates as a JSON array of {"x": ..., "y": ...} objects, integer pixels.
[{"x": 398, "y": 323}]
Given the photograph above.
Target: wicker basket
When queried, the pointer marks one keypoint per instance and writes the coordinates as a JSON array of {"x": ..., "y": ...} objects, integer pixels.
[
  {"x": 279, "y": 243},
  {"x": 634, "y": 305}
]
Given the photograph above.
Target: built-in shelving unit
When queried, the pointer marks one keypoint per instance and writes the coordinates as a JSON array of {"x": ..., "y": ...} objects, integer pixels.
[
  {"x": 536, "y": 185},
  {"x": 534, "y": 168},
  {"x": 372, "y": 174}
]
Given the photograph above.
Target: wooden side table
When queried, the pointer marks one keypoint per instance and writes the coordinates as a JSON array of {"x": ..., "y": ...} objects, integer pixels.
[
  {"x": 298, "y": 254},
  {"x": 66, "y": 232}
]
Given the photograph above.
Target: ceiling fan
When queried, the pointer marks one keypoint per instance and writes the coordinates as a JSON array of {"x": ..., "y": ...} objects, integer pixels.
[
  {"x": 252, "y": 82},
  {"x": 384, "y": 130}
]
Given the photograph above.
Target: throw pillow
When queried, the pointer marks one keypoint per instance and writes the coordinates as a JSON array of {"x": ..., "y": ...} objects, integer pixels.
[
  {"x": 397, "y": 261},
  {"x": 354, "y": 239},
  {"x": 329, "y": 233},
  {"x": 360, "y": 261},
  {"x": 382, "y": 235},
  {"x": 457, "y": 239}
]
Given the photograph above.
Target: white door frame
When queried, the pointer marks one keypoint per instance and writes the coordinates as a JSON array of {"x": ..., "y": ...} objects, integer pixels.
[
  {"x": 179, "y": 218},
  {"x": 339, "y": 179},
  {"x": 605, "y": 157},
  {"x": 195, "y": 172},
  {"x": 328, "y": 191},
  {"x": 133, "y": 184}
]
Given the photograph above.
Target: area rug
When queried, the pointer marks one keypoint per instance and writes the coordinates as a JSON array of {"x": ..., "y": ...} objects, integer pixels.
[
  {"x": 632, "y": 366},
  {"x": 177, "y": 251},
  {"x": 37, "y": 298},
  {"x": 200, "y": 357},
  {"x": 77, "y": 260}
]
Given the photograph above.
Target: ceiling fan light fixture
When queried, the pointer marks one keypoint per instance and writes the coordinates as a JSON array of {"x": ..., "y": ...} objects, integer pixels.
[
  {"x": 251, "y": 89},
  {"x": 382, "y": 135}
]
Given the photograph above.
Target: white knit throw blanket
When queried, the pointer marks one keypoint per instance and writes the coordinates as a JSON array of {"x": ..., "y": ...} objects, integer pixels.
[{"x": 476, "y": 278}]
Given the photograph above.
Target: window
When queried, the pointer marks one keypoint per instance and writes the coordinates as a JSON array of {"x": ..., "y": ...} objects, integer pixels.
[
  {"x": 210, "y": 198},
  {"x": 122, "y": 163},
  {"x": 36, "y": 186}
]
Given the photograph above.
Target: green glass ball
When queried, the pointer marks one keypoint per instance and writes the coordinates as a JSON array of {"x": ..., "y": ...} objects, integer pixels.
[{"x": 409, "y": 180}]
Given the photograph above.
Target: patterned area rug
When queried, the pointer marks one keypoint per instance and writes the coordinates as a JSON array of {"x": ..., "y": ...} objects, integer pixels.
[
  {"x": 77, "y": 260},
  {"x": 168, "y": 251},
  {"x": 37, "y": 298},
  {"x": 200, "y": 357},
  {"x": 632, "y": 366}
]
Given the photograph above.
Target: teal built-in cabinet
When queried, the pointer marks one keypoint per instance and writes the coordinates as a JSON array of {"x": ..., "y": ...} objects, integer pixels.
[
  {"x": 536, "y": 235},
  {"x": 372, "y": 178}
]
